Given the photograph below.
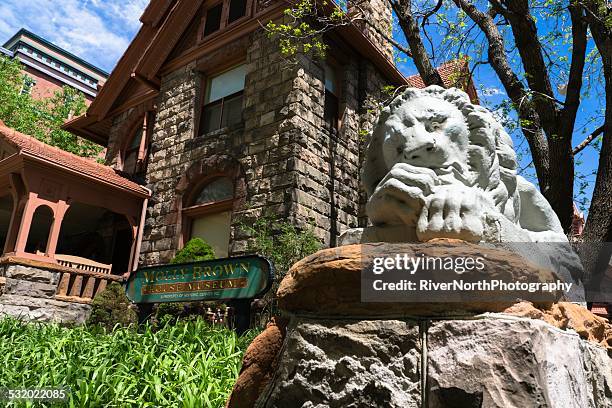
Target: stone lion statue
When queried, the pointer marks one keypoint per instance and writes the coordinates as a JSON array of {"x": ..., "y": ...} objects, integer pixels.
[{"x": 446, "y": 168}]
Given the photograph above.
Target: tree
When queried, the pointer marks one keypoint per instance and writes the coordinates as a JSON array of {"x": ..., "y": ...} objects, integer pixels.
[
  {"x": 41, "y": 119},
  {"x": 505, "y": 35}
]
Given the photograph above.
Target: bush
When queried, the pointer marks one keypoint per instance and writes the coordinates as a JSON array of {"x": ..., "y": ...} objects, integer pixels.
[
  {"x": 195, "y": 250},
  {"x": 283, "y": 244},
  {"x": 188, "y": 365},
  {"x": 111, "y": 307}
]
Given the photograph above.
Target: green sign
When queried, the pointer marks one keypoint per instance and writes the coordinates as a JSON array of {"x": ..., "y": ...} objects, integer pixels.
[{"x": 243, "y": 277}]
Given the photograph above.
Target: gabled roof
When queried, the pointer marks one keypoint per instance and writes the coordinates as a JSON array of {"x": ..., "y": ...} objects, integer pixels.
[
  {"x": 164, "y": 22},
  {"x": 30, "y": 146}
]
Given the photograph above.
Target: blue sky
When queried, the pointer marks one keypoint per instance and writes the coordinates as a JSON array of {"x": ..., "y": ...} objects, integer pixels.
[
  {"x": 95, "y": 30},
  {"x": 100, "y": 30}
]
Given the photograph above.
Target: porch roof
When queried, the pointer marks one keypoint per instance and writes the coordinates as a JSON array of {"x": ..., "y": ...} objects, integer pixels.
[{"x": 29, "y": 146}]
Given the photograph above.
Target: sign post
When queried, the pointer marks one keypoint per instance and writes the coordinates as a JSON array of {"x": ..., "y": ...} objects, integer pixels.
[{"x": 239, "y": 279}]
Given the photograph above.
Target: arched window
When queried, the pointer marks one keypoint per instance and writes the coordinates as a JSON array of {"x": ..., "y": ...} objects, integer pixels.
[
  {"x": 130, "y": 156},
  {"x": 209, "y": 214}
]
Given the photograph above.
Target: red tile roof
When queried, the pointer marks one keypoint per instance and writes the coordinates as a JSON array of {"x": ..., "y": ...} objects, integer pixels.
[
  {"x": 71, "y": 162},
  {"x": 449, "y": 71},
  {"x": 454, "y": 73}
]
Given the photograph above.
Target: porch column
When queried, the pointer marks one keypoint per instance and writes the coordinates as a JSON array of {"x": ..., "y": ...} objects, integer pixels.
[
  {"x": 25, "y": 224},
  {"x": 13, "y": 229},
  {"x": 19, "y": 199},
  {"x": 58, "y": 218}
]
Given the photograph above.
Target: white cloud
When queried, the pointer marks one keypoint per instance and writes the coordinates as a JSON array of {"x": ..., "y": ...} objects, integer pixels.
[
  {"x": 96, "y": 30},
  {"x": 490, "y": 91}
]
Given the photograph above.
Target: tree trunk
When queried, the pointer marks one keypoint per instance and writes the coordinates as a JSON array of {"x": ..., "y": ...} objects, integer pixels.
[
  {"x": 599, "y": 222},
  {"x": 403, "y": 10}
]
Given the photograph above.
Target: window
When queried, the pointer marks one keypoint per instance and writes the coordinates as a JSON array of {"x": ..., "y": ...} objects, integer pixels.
[
  {"x": 223, "y": 14},
  {"x": 331, "y": 107},
  {"x": 209, "y": 216},
  {"x": 28, "y": 84},
  {"x": 213, "y": 19},
  {"x": 130, "y": 158},
  {"x": 223, "y": 100},
  {"x": 237, "y": 9}
]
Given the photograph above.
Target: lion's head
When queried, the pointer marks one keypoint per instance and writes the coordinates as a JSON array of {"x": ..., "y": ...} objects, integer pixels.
[{"x": 442, "y": 130}]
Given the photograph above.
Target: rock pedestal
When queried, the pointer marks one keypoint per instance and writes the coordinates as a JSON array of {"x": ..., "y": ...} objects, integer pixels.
[{"x": 334, "y": 351}]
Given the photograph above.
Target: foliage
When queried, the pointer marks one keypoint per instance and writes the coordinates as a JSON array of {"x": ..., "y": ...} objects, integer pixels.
[
  {"x": 188, "y": 365},
  {"x": 111, "y": 308},
  {"x": 281, "y": 242},
  {"x": 41, "y": 119},
  {"x": 195, "y": 250},
  {"x": 169, "y": 313}
]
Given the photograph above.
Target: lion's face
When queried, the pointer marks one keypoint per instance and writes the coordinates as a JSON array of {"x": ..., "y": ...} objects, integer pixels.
[{"x": 426, "y": 132}]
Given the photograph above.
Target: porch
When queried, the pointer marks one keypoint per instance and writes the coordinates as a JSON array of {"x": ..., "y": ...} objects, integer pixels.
[{"x": 72, "y": 214}]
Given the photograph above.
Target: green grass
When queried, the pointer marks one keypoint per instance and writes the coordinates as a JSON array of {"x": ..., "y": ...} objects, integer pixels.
[{"x": 190, "y": 364}]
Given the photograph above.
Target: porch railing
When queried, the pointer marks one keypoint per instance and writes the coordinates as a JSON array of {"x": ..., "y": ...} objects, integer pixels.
[{"x": 85, "y": 279}]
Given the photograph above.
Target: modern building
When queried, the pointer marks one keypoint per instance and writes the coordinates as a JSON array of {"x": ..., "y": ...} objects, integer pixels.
[
  {"x": 50, "y": 67},
  {"x": 207, "y": 128}
]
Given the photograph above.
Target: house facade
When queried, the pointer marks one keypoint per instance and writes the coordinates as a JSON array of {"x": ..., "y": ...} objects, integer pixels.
[
  {"x": 204, "y": 110},
  {"x": 208, "y": 128}
]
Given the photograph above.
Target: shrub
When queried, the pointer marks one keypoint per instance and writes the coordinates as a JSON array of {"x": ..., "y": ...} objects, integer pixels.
[
  {"x": 283, "y": 244},
  {"x": 188, "y": 365},
  {"x": 111, "y": 307},
  {"x": 195, "y": 250}
]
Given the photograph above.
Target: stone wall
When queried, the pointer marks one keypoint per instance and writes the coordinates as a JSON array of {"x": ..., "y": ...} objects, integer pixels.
[
  {"x": 291, "y": 167},
  {"x": 28, "y": 293},
  {"x": 378, "y": 14}
]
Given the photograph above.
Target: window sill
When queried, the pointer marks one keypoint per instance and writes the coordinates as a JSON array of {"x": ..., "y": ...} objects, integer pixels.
[{"x": 222, "y": 131}]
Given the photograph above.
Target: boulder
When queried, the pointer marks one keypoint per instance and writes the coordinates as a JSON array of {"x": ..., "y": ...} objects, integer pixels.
[
  {"x": 336, "y": 364},
  {"x": 258, "y": 364},
  {"x": 336, "y": 351},
  {"x": 329, "y": 282},
  {"x": 565, "y": 315},
  {"x": 501, "y": 362}
]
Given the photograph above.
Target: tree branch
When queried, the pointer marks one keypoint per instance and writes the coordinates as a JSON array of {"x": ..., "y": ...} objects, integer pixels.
[
  {"x": 403, "y": 10},
  {"x": 530, "y": 122},
  {"x": 529, "y": 47},
  {"x": 588, "y": 140}
]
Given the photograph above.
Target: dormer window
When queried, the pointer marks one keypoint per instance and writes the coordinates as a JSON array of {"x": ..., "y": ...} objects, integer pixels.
[
  {"x": 223, "y": 100},
  {"x": 223, "y": 14}
]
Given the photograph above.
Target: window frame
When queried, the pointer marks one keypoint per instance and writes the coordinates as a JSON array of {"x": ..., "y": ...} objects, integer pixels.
[
  {"x": 144, "y": 122},
  {"x": 339, "y": 79},
  {"x": 224, "y": 18},
  {"x": 205, "y": 79},
  {"x": 194, "y": 211}
]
